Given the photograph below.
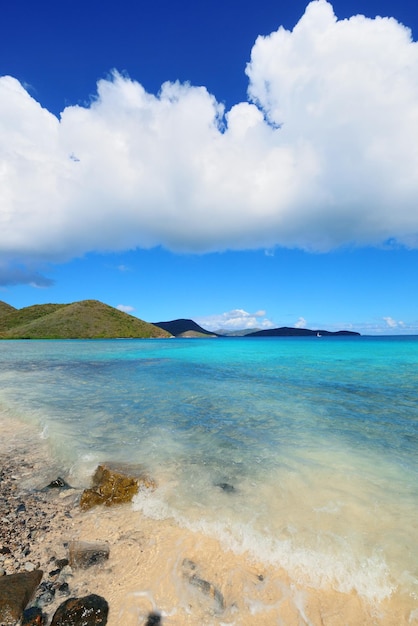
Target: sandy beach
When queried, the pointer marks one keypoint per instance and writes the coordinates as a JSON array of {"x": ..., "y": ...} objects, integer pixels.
[{"x": 157, "y": 567}]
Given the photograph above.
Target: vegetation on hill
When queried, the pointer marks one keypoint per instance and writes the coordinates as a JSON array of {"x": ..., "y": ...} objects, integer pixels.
[
  {"x": 5, "y": 308},
  {"x": 87, "y": 319}
]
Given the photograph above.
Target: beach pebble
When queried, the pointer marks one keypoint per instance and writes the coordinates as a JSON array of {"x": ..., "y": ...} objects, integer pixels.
[{"x": 29, "y": 566}]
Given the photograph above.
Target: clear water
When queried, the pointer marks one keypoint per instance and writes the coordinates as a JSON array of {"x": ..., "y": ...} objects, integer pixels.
[{"x": 299, "y": 451}]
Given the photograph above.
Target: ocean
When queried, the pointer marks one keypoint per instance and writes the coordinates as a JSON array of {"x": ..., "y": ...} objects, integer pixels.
[{"x": 300, "y": 454}]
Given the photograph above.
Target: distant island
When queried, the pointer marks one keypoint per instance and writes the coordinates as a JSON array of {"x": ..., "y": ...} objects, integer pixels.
[
  {"x": 185, "y": 328},
  {"x": 286, "y": 331},
  {"x": 91, "y": 319}
]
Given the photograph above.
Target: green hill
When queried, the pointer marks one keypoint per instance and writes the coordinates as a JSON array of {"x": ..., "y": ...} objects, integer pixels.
[
  {"x": 88, "y": 319},
  {"x": 5, "y": 308},
  {"x": 16, "y": 318}
]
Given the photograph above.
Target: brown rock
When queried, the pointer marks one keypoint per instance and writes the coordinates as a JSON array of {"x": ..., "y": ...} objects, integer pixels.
[
  {"x": 16, "y": 590},
  {"x": 112, "y": 486},
  {"x": 84, "y": 554},
  {"x": 91, "y": 610}
]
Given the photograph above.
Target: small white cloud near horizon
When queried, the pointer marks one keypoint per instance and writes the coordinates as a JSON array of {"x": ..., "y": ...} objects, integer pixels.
[
  {"x": 322, "y": 154},
  {"x": 126, "y": 308},
  {"x": 301, "y": 323},
  {"x": 392, "y": 323},
  {"x": 237, "y": 319}
]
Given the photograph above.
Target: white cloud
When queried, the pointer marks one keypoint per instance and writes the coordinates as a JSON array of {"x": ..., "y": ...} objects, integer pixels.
[
  {"x": 324, "y": 154},
  {"x": 301, "y": 323},
  {"x": 237, "y": 319},
  {"x": 126, "y": 308},
  {"x": 392, "y": 323}
]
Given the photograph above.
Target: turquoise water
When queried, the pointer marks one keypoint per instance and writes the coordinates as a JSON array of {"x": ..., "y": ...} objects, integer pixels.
[{"x": 300, "y": 451}]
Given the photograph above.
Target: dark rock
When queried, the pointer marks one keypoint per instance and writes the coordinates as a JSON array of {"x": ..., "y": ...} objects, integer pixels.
[
  {"x": 60, "y": 563},
  {"x": 64, "y": 589},
  {"x": 45, "y": 598},
  {"x": 226, "y": 487},
  {"x": 33, "y": 617},
  {"x": 16, "y": 590},
  {"x": 21, "y": 508},
  {"x": 153, "y": 619},
  {"x": 84, "y": 554},
  {"x": 90, "y": 610},
  {"x": 58, "y": 483},
  {"x": 112, "y": 486}
]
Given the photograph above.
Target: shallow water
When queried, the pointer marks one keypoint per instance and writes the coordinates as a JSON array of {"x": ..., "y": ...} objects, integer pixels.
[{"x": 298, "y": 453}]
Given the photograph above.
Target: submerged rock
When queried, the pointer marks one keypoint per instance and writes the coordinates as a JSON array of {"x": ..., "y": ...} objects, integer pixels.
[
  {"x": 209, "y": 590},
  {"x": 16, "y": 591},
  {"x": 190, "y": 571},
  {"x": 112, "y": 486},
  {"x": 227, "y": 487},
  {"x": 91, "y": 610},
  {"x": 84, "y": 554}
]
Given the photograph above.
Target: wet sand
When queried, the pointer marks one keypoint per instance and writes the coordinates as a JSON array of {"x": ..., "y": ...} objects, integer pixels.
[{"x": 185, "y": 576}]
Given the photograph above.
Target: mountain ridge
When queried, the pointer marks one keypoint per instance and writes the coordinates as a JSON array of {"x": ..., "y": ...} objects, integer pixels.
[
  {"x": 92, "y": 319},
  {"x": 84, "y": 319}
]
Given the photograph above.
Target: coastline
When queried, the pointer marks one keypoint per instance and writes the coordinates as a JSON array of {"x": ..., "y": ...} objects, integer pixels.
[{"x": 156, "y": 566}]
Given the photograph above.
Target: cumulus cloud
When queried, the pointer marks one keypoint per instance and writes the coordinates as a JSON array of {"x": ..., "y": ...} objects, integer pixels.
[
  {"x": 392, "y": 323},
  {"x": 126, "y": 308},
  {"x": 301, "y": 323},
  {"x": 237, "y": 319},
  {"x": 323, "y": 154}
]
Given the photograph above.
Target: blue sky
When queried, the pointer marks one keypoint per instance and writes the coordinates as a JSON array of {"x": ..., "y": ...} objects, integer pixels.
[{"x": 240, "y": 164}]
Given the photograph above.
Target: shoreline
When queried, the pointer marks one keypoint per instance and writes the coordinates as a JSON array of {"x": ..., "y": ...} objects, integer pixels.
[{"x": 154, "y": 565}]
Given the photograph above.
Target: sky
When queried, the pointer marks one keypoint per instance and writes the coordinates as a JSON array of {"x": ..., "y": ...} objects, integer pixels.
[{"x": 241, "y": 164}]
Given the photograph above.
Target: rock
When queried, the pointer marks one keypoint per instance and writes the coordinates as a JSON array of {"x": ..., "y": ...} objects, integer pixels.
[
  {"x": 64, "y": 589},
  {"x": 29, "y": 566},
  {"x": 90, "y": 610},
  {"x": 153, "y": 619},
  {"x": 84, "y": 554},
  {"x": 112, "y": 486},
  {"x": 45, "y": 594},
  {"x": 16, "y": 590},
  {"x": 58, "y": 483},
  {"x": 33, "y": 617},
  {"x": 209, "y": 590},
  {"x": 190, "y": 572},
  {"x": 227, "y": 487}
]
